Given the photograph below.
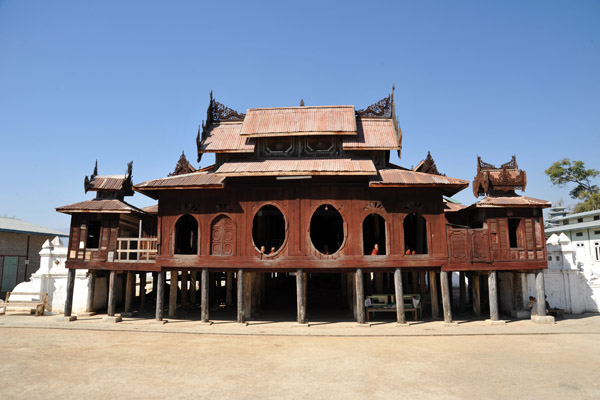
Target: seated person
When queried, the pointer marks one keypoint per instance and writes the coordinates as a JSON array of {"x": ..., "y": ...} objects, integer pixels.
[
  {"x": 273, "y": 250},
  {"x": 532, "y": 306},
  {"x": 375, "y": 251}
]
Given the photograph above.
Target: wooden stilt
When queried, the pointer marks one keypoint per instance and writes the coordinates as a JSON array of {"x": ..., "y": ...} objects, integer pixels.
[
  {"x": 470, "y": 288},
  {"x": 463, "y": 291},
  {"x": 413, "y": 282},
  {"x": 493, "y": 292},
  {"x": 160, "y": 294},
  {"x": 240, "y": 296},
  {"x": 70, "y": 288},
  {"x": 130, "y": 286},
  {"x": 229, "y": 289},
  {"x": 204, "y": 294},
  {"x": 248, "y": 277},
  {"x": 433, "y": 293},
  {"x": 142, "y": 290},
  {"x": 541, "y": 293},
  {"x": 476, "y": 295},
  {"x": 360, "y": 296},
  {"x": 193, "y": 288},
  {"x": 446, "y": 296},
  {"x": 112, "y": 288},
  {"x": 400, "y": 315},
  {"x": 422, "y": 285},
  {"x": 184, "y": 289},
  {"x": 300, "y": 297},
  {"x": 89, "y": 305},
  {"x": 173, "y": 293}
]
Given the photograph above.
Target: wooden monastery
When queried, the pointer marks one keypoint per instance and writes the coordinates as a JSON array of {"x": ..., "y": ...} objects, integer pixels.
[{"x": 303, "y": 214}]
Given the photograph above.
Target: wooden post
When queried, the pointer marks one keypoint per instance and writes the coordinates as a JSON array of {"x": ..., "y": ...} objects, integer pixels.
[
  {"x": 435, "y": 307},
  {"x": 300, "y": 297},
  {"x": 463, "y": 291},
  {"x": 400, "y": 316},
  {"x": 70, "y": 288},
  {"x": 360, "y": 296},
  {"x": 446, "y": 297},
  {"x": 229, "y": 289},
  {"x": 541, "y": 293},
  {"x": 193, "y": 280},
  {"x": 470, "y": 290},
  {"x": 184, "y": 289},
  {"x": 493, "y": 291},
  {"x": 249, "y": 276},
  {"x": 129, "y": 287},
  {"x": 413, "y": 282},
  {"x": 89, "y": 305},
  {"x": 111, "y": 294},
  {"x": 173, "y": 294},
  {"x": 142, "y": 290},
  {"x": 240, "y": 296},
  {"x": 476, "y": 295},
  {"x": 160, "y": 295},
  {"x": 422, "y": 286},
  {"x": 204, "y": 294}
]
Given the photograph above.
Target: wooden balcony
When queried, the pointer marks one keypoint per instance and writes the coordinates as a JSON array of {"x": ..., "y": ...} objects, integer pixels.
[{"x": 140, "y": 250}]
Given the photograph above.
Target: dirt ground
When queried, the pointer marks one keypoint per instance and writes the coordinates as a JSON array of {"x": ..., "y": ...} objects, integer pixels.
[{"x": 41, "y": 363}]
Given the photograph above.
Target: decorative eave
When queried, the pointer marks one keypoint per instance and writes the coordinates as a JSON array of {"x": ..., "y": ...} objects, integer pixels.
[{"x": 118, "y": 185}]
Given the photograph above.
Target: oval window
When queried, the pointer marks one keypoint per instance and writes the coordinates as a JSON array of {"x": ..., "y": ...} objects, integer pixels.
[
  {"x": 327, "y": 229},
  {"x": 268, "y": 229}
]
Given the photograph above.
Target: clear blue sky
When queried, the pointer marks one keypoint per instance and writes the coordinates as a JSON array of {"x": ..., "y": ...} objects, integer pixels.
[{"x": 129, "y": 80}]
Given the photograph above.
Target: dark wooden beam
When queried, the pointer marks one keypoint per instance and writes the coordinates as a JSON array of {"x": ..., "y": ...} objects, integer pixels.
[
  {"x": 112, "y": 288},
  {"x": 300, "y": 297},
  {"x": 240, "y": 296},
  {"x": 400, "y": 315},
  {"x": 446, "y": 296},
  {"x": 160, "y": 295},
  {"x": 89, "y": 305},
  {"x": 433, "y": 293},
  {"x": 493, "y": 293},
  {"x": 173, "y": 293},
  {"x": 477, "y": 295},
  {"x": 70, "y": 288},
  {"x": 360, "y": 296},
  {"x": 204, "y": 295}
]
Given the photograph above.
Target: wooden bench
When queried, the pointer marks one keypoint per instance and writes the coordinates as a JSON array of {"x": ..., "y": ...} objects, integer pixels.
[
  {"x": 387, "y": 303},
  {"x": 37, "y": 303}
]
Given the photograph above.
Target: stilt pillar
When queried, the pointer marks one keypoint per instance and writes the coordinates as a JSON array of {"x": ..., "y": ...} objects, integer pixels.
[
  {"x": 446, "y": 297},
  {"x": 400, "y": 315},
  {"x": 300, "y": 296},
  {"x": 476, "y": 295},
  {"x": 184, "y": 289},
  {"x": 360, "y": 296},
  {"x": 70, "y": 288},
  {"x": 111, "y": 294},
  {"x": 193, "y": 291},
  {"x": 160, "y": 295},
  {"x": 173, "y": 293},
  {"x": 541, "y": 293},
  {"x": 229, "y": 289},
  {"x": 240, "y": 296},
  {"x": 493, "y": 292},
  {"x": 129, "y": 288},
  {"x": 462, "y": 287},
  {"x": 142, "y": 290},
  {"x": 89, "y": 305},
  {"x": 248, "y": 277},
  {"x": 204, "y": 294},
  {"x": 435, "y": 307}
]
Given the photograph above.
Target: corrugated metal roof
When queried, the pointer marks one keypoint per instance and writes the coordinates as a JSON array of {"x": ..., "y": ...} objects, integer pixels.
[
  {"x": 376, "y": 134},
  {"x": 577, "y": 215},
  {"x": 107, "y": 182},
  {"x": 19, "y": 226},
  {"x": 282, "y": 167},
  {"x": 511, "y": 201},
  {"x": 452, "y": 207},
  {"x": 574, "y": 227},
  {"x": 151, "y": 209},
  {"x": 294, "y": 121},
  {"x": 193, "y": 180},
  {"x": 402, "y": 177},
  {"x": 99, "y": 206},
  {"x": 225, "y": 137}
]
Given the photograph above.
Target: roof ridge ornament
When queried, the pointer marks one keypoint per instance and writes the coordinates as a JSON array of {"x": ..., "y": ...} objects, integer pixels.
[
  {"x": 494, "y": 181},
  {"x": 87, "y": 182},
  {"x": 385, "y": 108},
  {"x": 183, "y": 166}
]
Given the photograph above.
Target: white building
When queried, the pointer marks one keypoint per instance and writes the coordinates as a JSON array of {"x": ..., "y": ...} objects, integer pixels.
[{"x": 573, "y": 247}]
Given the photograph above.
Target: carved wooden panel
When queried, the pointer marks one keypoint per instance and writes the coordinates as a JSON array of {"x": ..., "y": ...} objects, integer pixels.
[
  {"x": 222, "y": 236},
  {"x": 459, "y": 250},
  {"x": 479, "y": 245}
]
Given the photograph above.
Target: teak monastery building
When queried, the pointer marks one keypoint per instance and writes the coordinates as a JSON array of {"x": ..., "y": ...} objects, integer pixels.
[{"x": 303, "y": 211}]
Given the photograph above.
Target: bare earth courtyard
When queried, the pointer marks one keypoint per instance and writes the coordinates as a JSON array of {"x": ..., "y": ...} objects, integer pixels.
[{"x": 43, "y": 359}]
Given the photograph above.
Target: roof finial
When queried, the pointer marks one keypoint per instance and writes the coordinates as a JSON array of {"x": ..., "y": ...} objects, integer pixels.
[{"x": 301, "y": 102}]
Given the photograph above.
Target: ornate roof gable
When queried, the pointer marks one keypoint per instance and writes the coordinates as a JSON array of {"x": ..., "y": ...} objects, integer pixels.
[
  {"x": 183, "y": 166},
  {"x": 498, "y": 181}
]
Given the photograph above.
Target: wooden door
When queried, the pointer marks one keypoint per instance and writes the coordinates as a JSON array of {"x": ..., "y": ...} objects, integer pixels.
[{"x": 222, "y": 237}]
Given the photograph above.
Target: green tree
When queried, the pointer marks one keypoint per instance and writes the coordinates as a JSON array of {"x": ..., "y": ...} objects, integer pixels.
[{"x": 567, "y": 171}]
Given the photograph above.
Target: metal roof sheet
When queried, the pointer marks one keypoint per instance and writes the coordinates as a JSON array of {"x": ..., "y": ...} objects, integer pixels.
[
  {"x": 99, "y": 206},
  {"x": 225, "y": 137},
  {"x": 294, "y": 121},
  {"x": 107, "y": 182},
  {"x": 193, "y": 180},
  {"x": 373, "y": 133},
  {"x": 402, "y": 177},
  {"x": 151, "y": 209},
  {"x": 577, "y": 215},
  {"x": 19, "y": 226},
  {"x": 282, "y": 167},
  {"x": 574, "y": 227},
  {"x": 511, "y": 201}
]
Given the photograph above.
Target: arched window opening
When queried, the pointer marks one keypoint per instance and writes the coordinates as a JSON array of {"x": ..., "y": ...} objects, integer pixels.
[
  {"x": 327, "y": 229},
  {"x": 268, "y": 229},
  {"x": 186, "y": 235},
  {"x": 415, "y": 234},
  {"x": 374, "y": 235}
]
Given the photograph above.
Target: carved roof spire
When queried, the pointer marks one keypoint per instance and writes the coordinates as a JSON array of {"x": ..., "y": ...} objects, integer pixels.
[
  {"x": 183, "y": 166},
  {"x": 301, "y": 102},
  {"x": 501, "y": 181},
  {"x": 428, "y": 166}
]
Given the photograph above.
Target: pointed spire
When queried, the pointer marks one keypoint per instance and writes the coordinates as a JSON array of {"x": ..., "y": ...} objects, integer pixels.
[{"x": 301, "y": 102}]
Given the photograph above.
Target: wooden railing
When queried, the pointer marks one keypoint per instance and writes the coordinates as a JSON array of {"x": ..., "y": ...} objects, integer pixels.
[{"x": 136, "y": 250}]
